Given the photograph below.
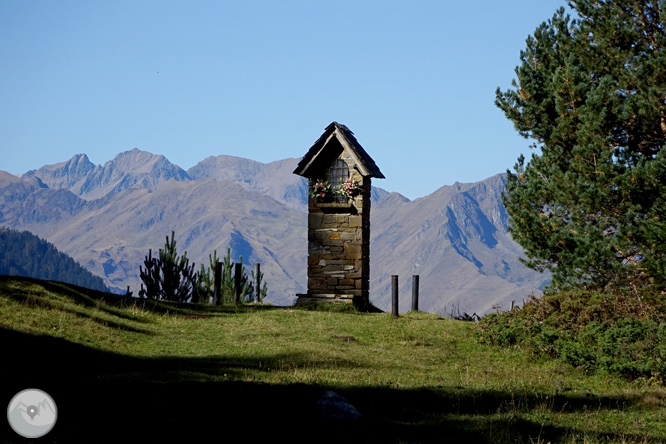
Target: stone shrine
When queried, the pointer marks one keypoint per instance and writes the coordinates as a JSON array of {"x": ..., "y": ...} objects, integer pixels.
[{"x": 339, "y": 172}]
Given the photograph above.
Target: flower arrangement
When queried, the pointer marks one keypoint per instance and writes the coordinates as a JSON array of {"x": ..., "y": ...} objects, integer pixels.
[
  {"x": 348, "y": 188},
  {"x": 320, "y": 188}
]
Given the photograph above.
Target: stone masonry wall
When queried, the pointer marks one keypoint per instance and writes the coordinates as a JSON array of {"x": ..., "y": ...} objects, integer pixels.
[{"x": 339, "y": 247}]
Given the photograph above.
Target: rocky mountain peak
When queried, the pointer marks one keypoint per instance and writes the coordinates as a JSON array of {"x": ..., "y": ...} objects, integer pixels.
[
  {"x": 131, "y": 169},
  {"x": 69, "y": 175},
  {"x": 138, "y": 162}
]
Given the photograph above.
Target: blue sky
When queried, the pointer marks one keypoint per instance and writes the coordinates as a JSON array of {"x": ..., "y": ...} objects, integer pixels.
[{"x": 414, "y": 80}]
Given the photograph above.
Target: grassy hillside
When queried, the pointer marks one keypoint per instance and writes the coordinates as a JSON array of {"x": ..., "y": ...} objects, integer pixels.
[{"x": 123, "y": 370}]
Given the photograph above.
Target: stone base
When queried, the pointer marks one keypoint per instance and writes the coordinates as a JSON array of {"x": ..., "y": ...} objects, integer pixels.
[{"x": 331, "y": 298}]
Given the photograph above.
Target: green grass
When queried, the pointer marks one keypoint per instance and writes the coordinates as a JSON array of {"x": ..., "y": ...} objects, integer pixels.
[{"x": 188, "y": 372}]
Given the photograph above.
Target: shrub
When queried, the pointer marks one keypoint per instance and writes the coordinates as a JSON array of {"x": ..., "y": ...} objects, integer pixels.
[{"x": 617, "y": 334}]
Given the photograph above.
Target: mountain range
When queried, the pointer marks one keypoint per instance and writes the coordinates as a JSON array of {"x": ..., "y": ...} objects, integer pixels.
[{"x": 108, "y": 217}]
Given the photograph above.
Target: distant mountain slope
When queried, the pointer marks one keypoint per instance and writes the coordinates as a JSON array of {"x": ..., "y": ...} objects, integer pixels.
[
  {"x": 8, "y": 178},
  {"x": 110, "y": 236},
  {"x": 108, "y": 217},
  {"x": 456, "y": 240},
  {"x": 28, "y": 202},
  {"x": 206, "y": 216},
  {"x": 274, "y": 179},
  {"x": 24, "y": 254}
]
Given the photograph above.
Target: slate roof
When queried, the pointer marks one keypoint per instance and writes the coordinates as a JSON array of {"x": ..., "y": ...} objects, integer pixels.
[{"x": 366, "y": 166}]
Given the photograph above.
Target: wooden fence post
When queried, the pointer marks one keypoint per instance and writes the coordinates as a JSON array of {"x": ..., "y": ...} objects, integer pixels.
[
  {"x": 415, "y": 292},
  {"x": 217, "y": 284},
  {"x": 238, "y": 274},
  {"x": 394, "y": 294}
]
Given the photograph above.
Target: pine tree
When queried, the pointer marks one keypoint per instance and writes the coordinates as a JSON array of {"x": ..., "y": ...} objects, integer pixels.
[
  {"x": 204, "y": 289},
  {"x": 227, "y": 279},
  {"x": 591, "y": 93},
  {"x": 258, "y": 280},
  {"x": 150, "y": 276},
  {"x": 247, "y": 286},
  {"x": 169, "y": 276}
]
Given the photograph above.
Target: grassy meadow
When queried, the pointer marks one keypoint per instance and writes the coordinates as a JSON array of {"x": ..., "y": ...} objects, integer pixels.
[{"x": 128, "y": 370}]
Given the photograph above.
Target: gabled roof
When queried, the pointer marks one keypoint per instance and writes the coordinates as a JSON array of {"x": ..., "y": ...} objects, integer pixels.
[{"x": 335, "y": 131}]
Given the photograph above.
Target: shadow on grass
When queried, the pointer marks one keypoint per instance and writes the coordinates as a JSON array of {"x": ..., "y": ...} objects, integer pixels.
[
  {"x": 85, "y": 297},
  {"x": 111, "y": 303},
  {"x": 107, "y": 397}
]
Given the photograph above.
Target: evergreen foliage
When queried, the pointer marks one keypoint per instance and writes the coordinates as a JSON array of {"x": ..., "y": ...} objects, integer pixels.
[
  {"x": 247, "y": 286},
  {"x": 258, "y": 280},
  {"x": 24, "y": 254},
  {"x": 591, "y": 93},
  {"x": 171, "y": 277},
  {"x": 150, "y": 277},
  {"x": 203, "y": 290},
  {"x": 228, "y": 281}
]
